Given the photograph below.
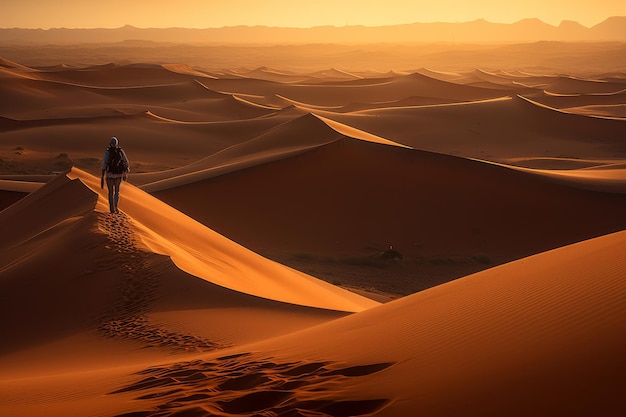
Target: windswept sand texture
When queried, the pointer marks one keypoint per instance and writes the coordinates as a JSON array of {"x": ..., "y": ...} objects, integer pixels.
[{"x": 339, "y": 242}]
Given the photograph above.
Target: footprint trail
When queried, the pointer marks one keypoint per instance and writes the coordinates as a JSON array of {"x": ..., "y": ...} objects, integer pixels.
[{"x": 127, "y": 319}]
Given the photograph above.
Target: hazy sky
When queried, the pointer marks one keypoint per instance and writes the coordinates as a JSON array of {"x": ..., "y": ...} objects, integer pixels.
[{"x": 294, "y": 13}]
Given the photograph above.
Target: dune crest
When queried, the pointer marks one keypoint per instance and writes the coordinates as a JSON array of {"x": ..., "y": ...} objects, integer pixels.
[
  {"x": 205, "y": 254},
  {"x": 277, "y": 143},
  {"x": 354, "y": 133},
  {"x": 544, "y": 106}
]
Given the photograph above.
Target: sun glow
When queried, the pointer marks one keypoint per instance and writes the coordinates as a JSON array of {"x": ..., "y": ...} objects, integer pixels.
[{"x": 287, "y": 13}]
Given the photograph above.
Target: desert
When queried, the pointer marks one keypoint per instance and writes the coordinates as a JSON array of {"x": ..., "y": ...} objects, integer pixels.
[{"x": 315, "y": 229}]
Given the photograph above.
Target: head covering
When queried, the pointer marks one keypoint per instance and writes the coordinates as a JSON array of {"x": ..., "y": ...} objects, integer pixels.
[{"x": 113, "y": 141}]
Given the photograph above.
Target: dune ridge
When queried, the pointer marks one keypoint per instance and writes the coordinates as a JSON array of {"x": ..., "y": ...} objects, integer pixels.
[
  {"x": 568, "y": 112},
  {"x": 72, "y": 205},
  {"x": 121, "y": 289},
  {"x": 393, "y": 196},
  {"x": 119, "y": 301},
  {"x": 202, "y": 253},
  {"x": 277, "y": 143}
]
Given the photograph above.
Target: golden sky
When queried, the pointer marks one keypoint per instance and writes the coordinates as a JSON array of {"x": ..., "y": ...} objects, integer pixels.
[{"x": 294, "y": 13}]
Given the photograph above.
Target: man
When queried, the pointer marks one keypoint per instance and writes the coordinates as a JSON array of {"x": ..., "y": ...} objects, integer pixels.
[{"x": 116, "y": 167}]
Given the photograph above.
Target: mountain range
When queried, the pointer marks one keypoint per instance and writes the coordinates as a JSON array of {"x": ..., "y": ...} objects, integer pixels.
[{"x": 526, "y": 30}]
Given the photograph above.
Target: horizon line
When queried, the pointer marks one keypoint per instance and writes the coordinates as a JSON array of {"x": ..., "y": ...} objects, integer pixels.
[{"x": 130, "y": 25}]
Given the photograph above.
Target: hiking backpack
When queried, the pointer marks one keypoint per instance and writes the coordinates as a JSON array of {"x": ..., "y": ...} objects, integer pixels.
[{"x": 116, "y": 163}]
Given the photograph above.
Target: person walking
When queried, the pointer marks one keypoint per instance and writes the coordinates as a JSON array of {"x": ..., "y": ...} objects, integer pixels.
[{"x": 115, "y": 167}]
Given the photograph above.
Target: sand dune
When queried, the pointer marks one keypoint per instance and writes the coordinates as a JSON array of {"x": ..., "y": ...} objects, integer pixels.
[
  {"x": 608, "y": 178},
  {"x": 120, "y": 302},
  {"x": 609, "y": 105},
  {"x": 475, "y": 129},
  {"x": 338, "y": 94},
  {"x": 136, "y": 89},
  {"x": 570, "y": 85},
  {"x": 205, "y": 254},
  {"x": 269, "y": 74},
  {"x": 207, "y": 131},
  {"x": 609, "y": 112},
  {"x": 132, "y": 75},
  {"x": 551, "y": 324},
  {"x": 572, "y": 111},
  {"x": 283, "y": 202},
  {"x": 578, "y": 100},
  {"x": 120, "y": 289},
  {"x": 276, "y": 143},
  {"x": 392, "y": 196},
  {"x": 124, "y": 100}
]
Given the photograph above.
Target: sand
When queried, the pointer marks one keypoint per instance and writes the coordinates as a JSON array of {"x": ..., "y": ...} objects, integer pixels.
[{"x": 313, "y": 243}]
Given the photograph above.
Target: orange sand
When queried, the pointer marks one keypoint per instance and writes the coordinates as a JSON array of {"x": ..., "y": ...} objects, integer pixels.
[{"x": 204, "y": 298}]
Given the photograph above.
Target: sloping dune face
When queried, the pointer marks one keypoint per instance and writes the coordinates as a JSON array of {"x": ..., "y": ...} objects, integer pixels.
[
  {"x": 345, "y": 202},
  {"x": 71, "y": 268},
  {"x": 204, "y": 253},
  {"x": 275, "y": 144},
  {"x": 86, "y": 297},
  {"x": 543, "y": 336}
]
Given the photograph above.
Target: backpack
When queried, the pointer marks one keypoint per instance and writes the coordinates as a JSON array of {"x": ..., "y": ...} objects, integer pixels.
[{"x": 116, "y": 163}]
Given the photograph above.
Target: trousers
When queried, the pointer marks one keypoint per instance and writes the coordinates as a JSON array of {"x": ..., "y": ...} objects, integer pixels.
[{"x": 113, "y": 185}]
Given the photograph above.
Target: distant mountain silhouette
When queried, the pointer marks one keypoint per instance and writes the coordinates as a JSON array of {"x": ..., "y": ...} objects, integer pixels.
[
  {"x": 526, "y": 30},
  {"x": 611, "y": 28}
]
